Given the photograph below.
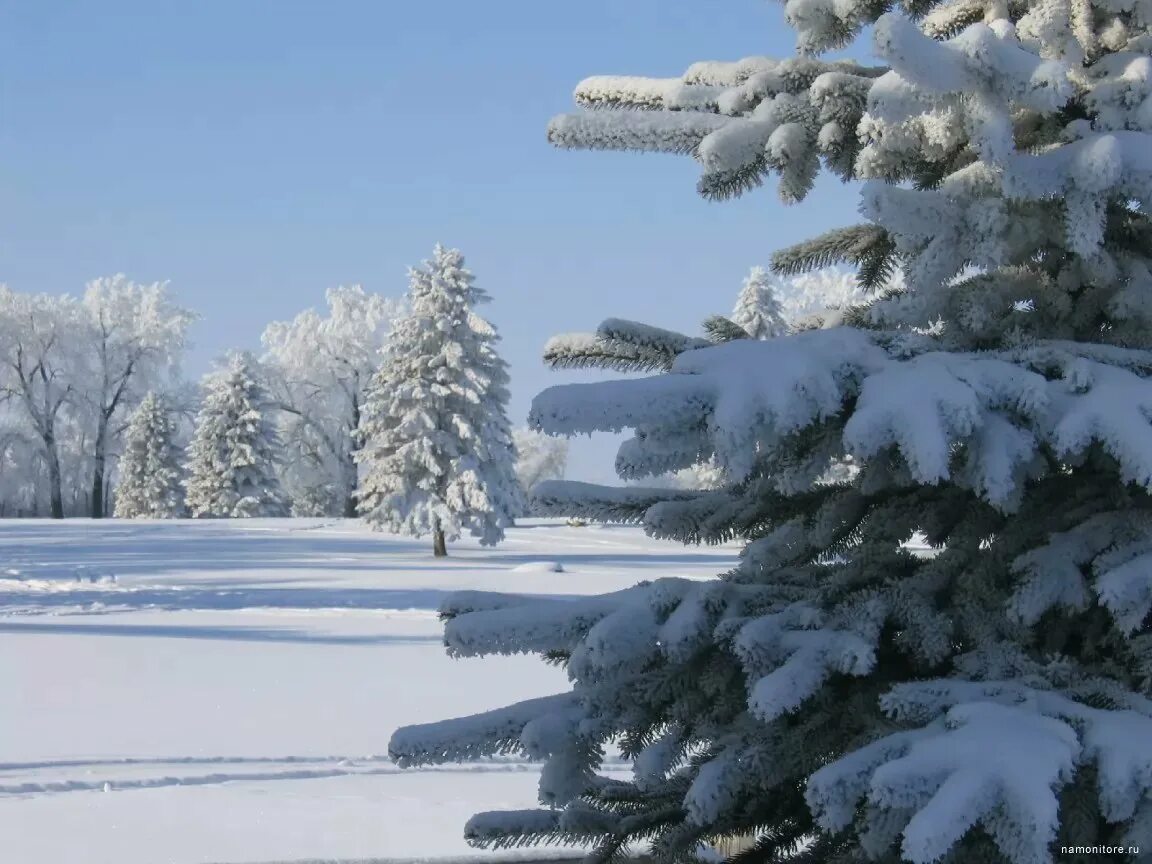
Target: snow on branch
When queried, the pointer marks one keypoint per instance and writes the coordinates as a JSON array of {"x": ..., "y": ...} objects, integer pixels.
[
  {"x": 740, "y": 121},
  {"x": 1084, "y": 172},
  {"x": 623, "y": 91},
  {"x": 655, "y": 131},
  {"x": 469, "y": 738},
  {"x": 1109, "y": 406},
  {"x": 976, "y": 60},
  {"x": 510, "y": 829},
  {"x": 924, "y": 406},
  {"x": 801, "y": 655},
  {"x": 806, "y": 376},
  {"x": 623, "y": 346},
  {"x": 943, "y": 780},
  {"x": 654, "y": 340},
  {"x": 928, "y": 403},
  {"x": 997, "y": 754},
  {"x": 1124, "y": 586},
  {"x": 538, "y": 625},
  {"x": 727, "y": 73},
  {"x": 626, "y": 504}
]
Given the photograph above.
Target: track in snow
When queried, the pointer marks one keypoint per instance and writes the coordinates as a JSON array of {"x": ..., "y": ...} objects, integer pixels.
[{"x": 294, "y": 768}]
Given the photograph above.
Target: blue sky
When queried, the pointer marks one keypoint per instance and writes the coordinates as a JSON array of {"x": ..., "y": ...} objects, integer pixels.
[{"x": 255, "y": 152}]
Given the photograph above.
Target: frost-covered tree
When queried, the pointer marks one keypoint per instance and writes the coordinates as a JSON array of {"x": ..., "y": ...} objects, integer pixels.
[
  {"x": 438, "y": 455},
  {"x": 319, "y": 366},
  {"x": 539, "y": 457},
  {"x": 150, "y": 482},
  {"x": 132, "y": 335},
  {"x": 837, "y": 696},
  {"x": 231, "y": 467},
  {"x": 72, "y": 370},
  {"x": 758, "y": 311},
  {"x": 819, "y": 298},
  {"x": 21, "y": 467},
  {"x": 39, "y": 356}
]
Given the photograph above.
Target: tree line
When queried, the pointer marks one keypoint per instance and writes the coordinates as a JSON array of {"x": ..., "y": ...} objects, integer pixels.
[{"x": 96, "y": 417}]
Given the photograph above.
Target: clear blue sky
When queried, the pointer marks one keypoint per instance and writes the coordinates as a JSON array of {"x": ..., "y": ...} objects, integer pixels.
[{"x": 255, "y": 152}]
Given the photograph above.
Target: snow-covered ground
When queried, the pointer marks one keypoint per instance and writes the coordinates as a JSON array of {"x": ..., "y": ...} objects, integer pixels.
[{"x": 191, "y": 692}]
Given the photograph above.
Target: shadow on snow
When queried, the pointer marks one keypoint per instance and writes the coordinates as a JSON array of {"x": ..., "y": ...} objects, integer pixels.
[{"x": 233, "y": 634}]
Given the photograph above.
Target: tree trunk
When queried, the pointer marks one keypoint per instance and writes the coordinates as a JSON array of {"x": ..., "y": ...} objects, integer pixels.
[
  {"x": 97, "y": 497},
  {"x": 55, "y": 488},
  {"x": 439, "y": 549},
  {"x": 350, "y": 482},
  {"x": 99, "y": 463},
  {"x": 351, "y": 470}
]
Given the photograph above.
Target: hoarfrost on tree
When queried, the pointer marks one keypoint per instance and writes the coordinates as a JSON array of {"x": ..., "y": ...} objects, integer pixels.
[
  {"x": 836, "y": 696},
  {"x": 318, "y": 368},
  {"x": 437, "y": 455},
  {"x": 231, "y": 467},
  {"x": 758, "y": 309},
  {"x": 150, "y": 484},
  {"x": 38, "y": 381},
  {"x": 134, "y": 335},
  {"x": 72, "y": 370}
]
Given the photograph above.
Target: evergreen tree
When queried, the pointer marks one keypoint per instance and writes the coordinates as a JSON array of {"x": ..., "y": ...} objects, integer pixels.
[
  {"x": 838, "y": 696},
  {"x": 438, "y": 455},
  {"x": 231, "y": 460},
  {"x": 758, "y": 311},
  {"x": 150, "y": 484}
]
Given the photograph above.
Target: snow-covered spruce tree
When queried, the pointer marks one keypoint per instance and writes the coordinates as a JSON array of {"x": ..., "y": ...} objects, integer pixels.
[
  {"x": 149, "y": 485},
  {"x": 839, "y": 697},
  {"x": 231, "y": 459},
  {"x": 437, "y": 454},
  {"x": 758, "y": 311}
]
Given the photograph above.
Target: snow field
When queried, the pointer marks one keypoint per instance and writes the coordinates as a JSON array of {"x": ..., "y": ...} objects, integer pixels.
[{"x": 224, "y": 691}]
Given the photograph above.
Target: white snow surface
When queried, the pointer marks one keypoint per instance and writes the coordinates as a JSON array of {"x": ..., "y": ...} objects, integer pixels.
[{"x": 185, "y": 692}]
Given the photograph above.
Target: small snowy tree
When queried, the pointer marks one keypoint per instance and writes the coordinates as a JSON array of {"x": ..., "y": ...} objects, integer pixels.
[
  {"x": 231, "y": 459},
  {"x": 758, "y": 311},
  {"x": 539, "y": 457},
  {"x": 837, "y": 695},
  {"x": 438, "y": 454},
  {"x": 150, "y": 484}
]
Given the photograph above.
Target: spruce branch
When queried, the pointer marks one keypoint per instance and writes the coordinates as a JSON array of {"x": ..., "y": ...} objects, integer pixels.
[
  {"x": 855, "y": 244},
  {"x": 720, "y": 329}
]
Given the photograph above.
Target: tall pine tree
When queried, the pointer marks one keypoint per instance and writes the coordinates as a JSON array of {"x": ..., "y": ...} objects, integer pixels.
[
  {"x": 231, "y": 460},
  {"x": 437, "y": 454},
  {"x": 839, "y": 696},
  {"x": 149, "y": 485}
]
